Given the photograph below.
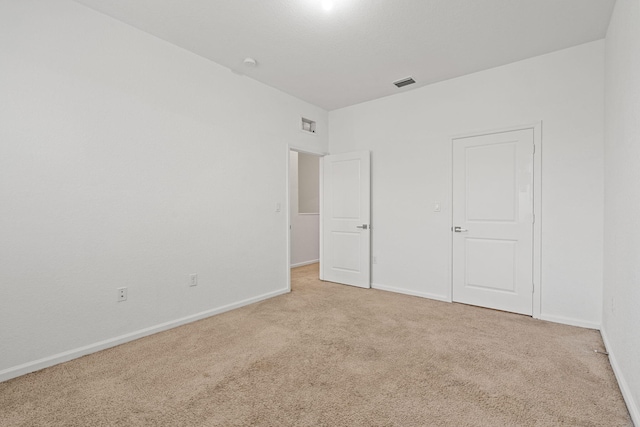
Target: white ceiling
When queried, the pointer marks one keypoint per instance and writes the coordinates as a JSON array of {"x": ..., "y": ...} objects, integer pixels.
[{"x": 354, "y": 52}]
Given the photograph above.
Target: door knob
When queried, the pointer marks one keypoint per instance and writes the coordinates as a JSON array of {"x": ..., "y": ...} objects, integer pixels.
[
  {"x": 363, "y": 226},
  {"x": 459, "y": 229}
]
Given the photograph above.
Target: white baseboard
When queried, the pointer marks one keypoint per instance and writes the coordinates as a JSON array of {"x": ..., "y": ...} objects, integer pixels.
[
  {"x": 570, "y": 321},
  {"x": 632, "y": 407},
  {"x": 300, "y": 264},
  {"x": 55, "y": 359},
  {"x": 410, "y": 292},
  {"x": 550, "y": 318}
]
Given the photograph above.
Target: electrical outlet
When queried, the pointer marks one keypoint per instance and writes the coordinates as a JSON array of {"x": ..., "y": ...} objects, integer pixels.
[
  {"x": 122, "y": 294},
  {"x": 193, "y": 280}
]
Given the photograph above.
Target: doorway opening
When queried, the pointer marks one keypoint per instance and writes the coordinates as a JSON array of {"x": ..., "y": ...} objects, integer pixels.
[
  {"x": 304, "y": 207},
  {"x": 341, "y": 224}
]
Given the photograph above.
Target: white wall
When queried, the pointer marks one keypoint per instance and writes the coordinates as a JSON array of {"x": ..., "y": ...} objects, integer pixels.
[
  {"x": 305, "y": 228},
  {"x": 621, "y": 302},
  {"x": 126, "y": 161},
  {"x": 409, "y": 136}
]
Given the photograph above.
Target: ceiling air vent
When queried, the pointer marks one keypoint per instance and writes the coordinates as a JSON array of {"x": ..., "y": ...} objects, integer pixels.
[{"x": 404, "y": 82}]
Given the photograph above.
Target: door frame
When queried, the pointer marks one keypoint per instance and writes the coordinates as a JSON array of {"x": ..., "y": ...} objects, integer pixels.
[
  {"x": 537, "y": 207},
  {"x": 287, "y": 206}
]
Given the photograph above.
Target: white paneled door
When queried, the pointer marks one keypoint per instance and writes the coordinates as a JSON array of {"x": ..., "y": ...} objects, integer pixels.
[
  {"x": 346, "y": 235},
  {"x": 493, "y": 220}
]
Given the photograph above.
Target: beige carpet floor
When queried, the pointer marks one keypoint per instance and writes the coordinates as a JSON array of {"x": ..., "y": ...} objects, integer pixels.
[{"x": 333, "y": 355}]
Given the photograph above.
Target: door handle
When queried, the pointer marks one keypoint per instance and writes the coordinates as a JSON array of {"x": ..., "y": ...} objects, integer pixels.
[
  {"x": 363, "y": 226},
  {"x": 459, "y": 229}
]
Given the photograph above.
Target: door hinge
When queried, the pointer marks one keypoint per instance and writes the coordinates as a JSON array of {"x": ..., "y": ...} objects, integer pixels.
[
  {"x": 534, "y": 148},
  {"x": 533, "y": 288},
  {"x": 533, "y": 220}
]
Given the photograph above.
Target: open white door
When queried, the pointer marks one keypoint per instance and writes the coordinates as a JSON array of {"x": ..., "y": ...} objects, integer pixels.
[
  {"x": 346, "y": 228},
  {"x": 493, "y": 220}
]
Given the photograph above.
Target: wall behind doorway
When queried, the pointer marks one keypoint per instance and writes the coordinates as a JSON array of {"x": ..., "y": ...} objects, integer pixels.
[{"x": 305, "y": 224}]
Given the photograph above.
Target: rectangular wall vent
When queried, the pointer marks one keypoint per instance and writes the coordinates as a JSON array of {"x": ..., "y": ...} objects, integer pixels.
[
  {"x": 308, "y": 125},
  {"x": 404, "y": 82}
]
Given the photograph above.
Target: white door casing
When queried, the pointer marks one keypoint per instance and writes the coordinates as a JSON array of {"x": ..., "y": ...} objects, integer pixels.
[
  {"x": 493, "y": 208},
  {"x": 346, "y": 224}
]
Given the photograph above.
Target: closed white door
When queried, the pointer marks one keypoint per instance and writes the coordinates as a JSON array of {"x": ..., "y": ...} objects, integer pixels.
[
  {"x": 346, "y": 211},
  {"x": 493, "y": 221}
]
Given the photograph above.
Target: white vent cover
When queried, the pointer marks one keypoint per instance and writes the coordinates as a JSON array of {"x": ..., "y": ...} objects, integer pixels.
[{"x": 308, "y": 125}]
